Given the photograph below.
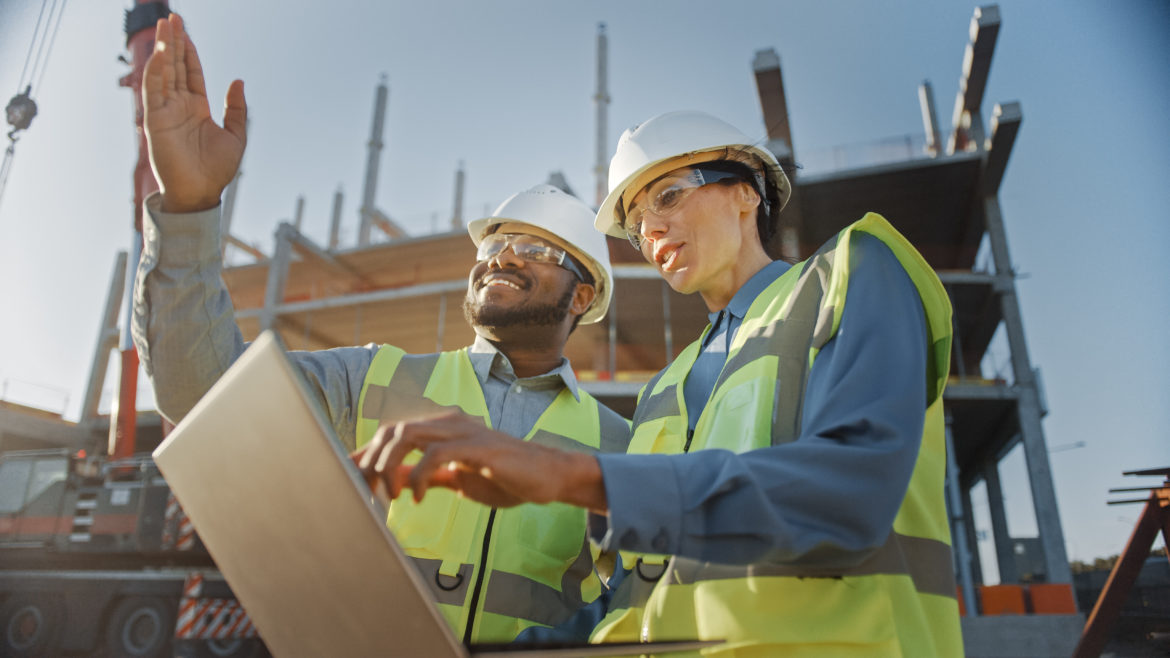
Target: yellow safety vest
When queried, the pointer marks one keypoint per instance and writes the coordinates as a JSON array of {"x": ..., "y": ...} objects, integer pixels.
[
  {"x": 494, "y": 572},
  {"x": 898, "y": 602}
]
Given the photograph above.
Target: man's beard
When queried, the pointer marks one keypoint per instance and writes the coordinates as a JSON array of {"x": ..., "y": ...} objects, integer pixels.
[{"x": 525, "y": 315}]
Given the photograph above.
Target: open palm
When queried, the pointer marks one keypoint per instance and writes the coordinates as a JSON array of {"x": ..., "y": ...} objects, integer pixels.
[{"x": 193, "y": 158}]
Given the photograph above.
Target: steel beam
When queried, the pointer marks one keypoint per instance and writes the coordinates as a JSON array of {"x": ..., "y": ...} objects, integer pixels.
[
  {"x": 1005, "y": 123},
  {"x": 1029, "y": 407}
]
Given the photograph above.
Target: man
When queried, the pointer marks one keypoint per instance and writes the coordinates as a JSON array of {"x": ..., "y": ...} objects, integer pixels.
[
  {"x": 540, "y": 269},
  {"x": 798, "y": 506}
]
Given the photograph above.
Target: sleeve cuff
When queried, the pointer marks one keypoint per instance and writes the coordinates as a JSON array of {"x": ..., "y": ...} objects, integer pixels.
[
  {"x": 636, "y": 521},
  {"x": 190, "y": 238}
]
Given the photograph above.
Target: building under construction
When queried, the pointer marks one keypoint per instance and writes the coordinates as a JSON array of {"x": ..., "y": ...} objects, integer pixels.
[{"x": 940, "y": 191}]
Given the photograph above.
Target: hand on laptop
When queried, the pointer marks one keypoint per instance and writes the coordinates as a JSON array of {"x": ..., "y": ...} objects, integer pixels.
[{"x": 493, "y": 468}]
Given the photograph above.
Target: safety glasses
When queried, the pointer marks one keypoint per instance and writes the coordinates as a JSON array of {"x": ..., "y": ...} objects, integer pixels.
[
  {"x": 667, "y": 194},
  {"x": 529, "y": 248}
]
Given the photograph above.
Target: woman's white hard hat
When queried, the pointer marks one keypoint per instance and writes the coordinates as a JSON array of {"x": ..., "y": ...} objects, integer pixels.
[{"x": 677, "y": 135}]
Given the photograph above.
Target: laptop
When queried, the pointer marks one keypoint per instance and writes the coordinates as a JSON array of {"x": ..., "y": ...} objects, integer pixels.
[{"x": 297, "y": 533}]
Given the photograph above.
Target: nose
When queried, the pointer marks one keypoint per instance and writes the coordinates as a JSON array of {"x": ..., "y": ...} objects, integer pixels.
[
  {"x": 507, "y": 257},
  {"x": 654, "y": 226}
]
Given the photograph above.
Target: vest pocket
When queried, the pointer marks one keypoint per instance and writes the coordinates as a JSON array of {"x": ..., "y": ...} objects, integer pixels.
[{"x": 441, "y": 527}]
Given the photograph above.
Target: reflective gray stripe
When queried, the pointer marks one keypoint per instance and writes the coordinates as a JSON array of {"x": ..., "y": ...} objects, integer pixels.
[
  {"x": 403, "y": 394},
  {"x": 662, "y": 405},
  {"x": 926, "y": 561},
  {"x": 547, "y": 438},
  {"x": 799, "y": 328},
  {"x": 615, "y": 430},
  {"x": 457, "y": 584},
  {"x": 513, "y": 595}
]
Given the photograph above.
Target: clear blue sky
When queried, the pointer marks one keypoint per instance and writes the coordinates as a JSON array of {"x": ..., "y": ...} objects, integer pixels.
[{"x": 507, "y": 87}]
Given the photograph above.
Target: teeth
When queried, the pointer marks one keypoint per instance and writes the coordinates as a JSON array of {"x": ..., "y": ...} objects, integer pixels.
[{"x": 501, "y": 282}]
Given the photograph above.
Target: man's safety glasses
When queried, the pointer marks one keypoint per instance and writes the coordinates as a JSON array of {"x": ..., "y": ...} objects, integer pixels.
[
  {"x": 667, "y": 194},
  {"x": 529, "y": 248}
]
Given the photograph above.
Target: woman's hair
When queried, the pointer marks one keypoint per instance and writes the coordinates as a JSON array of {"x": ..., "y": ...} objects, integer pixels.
[{"x": 759, "y": 174}]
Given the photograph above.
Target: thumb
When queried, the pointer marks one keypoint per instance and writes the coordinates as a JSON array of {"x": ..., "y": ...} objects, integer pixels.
[{"x": 235, "y": 111}]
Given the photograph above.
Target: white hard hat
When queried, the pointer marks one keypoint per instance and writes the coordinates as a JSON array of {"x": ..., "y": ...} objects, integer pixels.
[
  {"x": 567, "y": 218},
  {"x": 676, "y": 135}
]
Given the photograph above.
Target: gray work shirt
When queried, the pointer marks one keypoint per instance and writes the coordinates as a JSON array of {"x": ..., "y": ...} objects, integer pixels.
[{"x": 185, "y": 330}]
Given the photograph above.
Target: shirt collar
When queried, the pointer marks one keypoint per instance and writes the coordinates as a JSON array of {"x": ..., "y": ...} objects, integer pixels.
[
  {"x": 487, "y": 360},
  {"x": 751, "y": 289}
]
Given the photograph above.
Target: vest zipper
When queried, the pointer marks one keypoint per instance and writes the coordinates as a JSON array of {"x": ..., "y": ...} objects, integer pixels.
[
  {"x": 690, "y": 435},
  {"x": 487, "y": 540}
]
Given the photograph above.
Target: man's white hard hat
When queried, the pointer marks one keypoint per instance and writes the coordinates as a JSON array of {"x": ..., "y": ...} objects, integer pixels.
[
  {"x": 569, "y": 222},
  {"x": 678, "y": 135}
]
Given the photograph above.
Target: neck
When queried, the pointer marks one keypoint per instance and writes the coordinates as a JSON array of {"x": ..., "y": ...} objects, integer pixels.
[
  {"x": 532, "y": 351},
  {"x": 751, "y": 260}
]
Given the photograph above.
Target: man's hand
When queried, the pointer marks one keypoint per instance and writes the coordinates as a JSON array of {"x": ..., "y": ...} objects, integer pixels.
[
  {"x": 487, "y": 466},
  {"x": 193, "y": 158}
]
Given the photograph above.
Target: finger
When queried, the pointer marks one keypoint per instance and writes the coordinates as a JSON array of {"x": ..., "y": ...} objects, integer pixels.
[
  {"x": 179, "y": 55},
  {"x": 391, "y": 456},
  {"x": 235, "y": 111},
  {"x": 160, "y": 60},
  {"x": 448, "y": 457},
  {"x": 192, "y": 68},
  {"x": 370, "y": 450},
  {"x": 153, "y": 75}
]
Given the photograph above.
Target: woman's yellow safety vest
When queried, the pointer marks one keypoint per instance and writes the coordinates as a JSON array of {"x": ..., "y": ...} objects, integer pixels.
[
  {"x": 901, "y": 600},
  {"x": 494, "y": 572}
]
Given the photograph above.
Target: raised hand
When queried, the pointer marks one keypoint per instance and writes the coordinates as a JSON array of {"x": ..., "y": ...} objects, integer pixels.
[{"x": 193, "y": 158}]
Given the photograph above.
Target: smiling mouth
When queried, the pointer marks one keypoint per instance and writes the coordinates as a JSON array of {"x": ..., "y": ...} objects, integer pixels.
[{"x": 497, "y": 280}]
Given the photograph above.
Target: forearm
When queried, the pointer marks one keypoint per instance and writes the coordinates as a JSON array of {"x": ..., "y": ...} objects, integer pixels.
[{"x": 183, "y": 321}]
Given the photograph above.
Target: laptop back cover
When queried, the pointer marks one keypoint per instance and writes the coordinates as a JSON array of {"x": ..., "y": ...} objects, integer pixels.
[{"x": 289, "y": 522}]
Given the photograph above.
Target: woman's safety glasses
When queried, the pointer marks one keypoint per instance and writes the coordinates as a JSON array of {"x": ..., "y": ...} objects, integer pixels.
[
  {"x": 667, "y": 194},
  {"x": 529, "y": 248}
]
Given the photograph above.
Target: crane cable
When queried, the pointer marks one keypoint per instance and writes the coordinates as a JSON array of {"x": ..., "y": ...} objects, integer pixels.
[{"x": 21, "y": 109}]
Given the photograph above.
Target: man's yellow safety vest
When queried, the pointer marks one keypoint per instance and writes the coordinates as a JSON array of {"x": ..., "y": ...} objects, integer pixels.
[
  {"x": 901, "y": 600},
  {"x": 494, "y": 572}
]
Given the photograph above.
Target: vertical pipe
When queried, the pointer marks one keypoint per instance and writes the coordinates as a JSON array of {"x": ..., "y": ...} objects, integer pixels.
[
  {"x": 373, "y": 157},
  {"x": 457, "y": 211},
  {"x": 601, "y": 169},
  {"x": 929, "y": 117},
  {"x": 335, "y": 220},
  {"x": 299, "y": 213}
]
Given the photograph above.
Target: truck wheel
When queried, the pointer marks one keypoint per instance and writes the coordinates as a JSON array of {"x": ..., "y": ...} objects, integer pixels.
[
  {"x": 142, "y": 627},
  {"x": 31, "y": 624}
]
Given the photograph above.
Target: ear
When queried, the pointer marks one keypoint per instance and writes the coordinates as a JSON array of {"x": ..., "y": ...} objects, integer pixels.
[
  {"x": 748, "y": 195},
  {"x": 583, "y": 296}
]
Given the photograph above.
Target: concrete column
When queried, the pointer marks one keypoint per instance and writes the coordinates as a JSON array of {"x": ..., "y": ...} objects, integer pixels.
[{"x": 1005, "y": 554}]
